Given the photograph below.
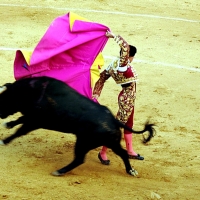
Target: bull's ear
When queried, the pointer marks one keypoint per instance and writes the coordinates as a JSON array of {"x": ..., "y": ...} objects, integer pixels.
[{"x": 3, "y": 88}]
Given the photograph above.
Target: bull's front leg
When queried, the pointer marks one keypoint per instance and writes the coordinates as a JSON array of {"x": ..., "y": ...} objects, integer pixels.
[
  {"x": 11, "y": 124},
  {"x": 124, "y": 156},
  {"x": 23, "y": 130}
]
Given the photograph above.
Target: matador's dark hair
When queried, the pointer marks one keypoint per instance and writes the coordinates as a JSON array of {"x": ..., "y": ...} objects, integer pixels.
[{"x": 132, "y": 52}]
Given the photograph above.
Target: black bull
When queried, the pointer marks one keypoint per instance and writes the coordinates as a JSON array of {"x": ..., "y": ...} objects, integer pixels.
[{"x": 51, "y": 104}]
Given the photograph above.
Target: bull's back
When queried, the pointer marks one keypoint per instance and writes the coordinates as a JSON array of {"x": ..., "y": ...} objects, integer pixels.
[
  {"x": 64, "y": 97},
  {"x": 64, "y": 101}
]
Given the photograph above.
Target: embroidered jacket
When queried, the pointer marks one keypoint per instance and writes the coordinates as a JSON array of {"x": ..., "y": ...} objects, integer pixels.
[{"x": 120, "y": 69}]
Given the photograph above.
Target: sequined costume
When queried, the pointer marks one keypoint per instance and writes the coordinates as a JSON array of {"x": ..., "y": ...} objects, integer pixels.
[{"x": 124, "y": 74}]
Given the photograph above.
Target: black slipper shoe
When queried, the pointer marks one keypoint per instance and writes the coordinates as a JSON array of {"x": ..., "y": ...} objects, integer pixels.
[
  {"x": 104, "y": 162},
  {"x": 137, "y": 157}
]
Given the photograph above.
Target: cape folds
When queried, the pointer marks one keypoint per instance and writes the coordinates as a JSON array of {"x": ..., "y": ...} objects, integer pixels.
[{"x": 70, "y": 51}]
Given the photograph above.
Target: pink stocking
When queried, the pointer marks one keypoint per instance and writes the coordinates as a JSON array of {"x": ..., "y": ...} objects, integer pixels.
[
  {"x": 128, "y": 136},
  {"x": 129, "y": 145},
  {"x": 103, "y": 153}
]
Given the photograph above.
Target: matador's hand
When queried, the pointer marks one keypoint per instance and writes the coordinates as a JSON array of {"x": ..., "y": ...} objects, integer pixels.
[
  {"x": 95, "y": 96},
  {"x": 110, "y": 34}
]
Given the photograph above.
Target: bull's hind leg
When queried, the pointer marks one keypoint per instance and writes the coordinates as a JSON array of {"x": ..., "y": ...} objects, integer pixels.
[
  {"x": 81, "y": 149},
  {"x": 117, "y": 148}
]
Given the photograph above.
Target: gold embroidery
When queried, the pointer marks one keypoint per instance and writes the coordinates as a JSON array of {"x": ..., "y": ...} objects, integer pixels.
[
  {"x": 126, "y": 103},
  {"x": 120, "y": 78}
]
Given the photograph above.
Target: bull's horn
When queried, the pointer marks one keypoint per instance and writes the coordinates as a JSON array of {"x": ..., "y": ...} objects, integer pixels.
[{"x": 2, "y": 89}]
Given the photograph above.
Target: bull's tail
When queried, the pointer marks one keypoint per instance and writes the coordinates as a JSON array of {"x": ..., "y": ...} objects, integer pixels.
[{"x": 147, "y": 127}]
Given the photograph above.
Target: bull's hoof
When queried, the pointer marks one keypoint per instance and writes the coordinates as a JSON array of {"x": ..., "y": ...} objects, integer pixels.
[
  {"x": 1, "y": 142},
  {"x": 133, "y": 172},
  {"x": 57, "y": 173}
]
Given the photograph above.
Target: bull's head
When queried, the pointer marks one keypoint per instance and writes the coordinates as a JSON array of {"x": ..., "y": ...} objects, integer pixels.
[
  {"x": 6, "y": 101},
  {"x": 24, "y": 96}
]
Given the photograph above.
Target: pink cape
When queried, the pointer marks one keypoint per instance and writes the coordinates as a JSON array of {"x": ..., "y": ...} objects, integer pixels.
[{"x": 66, "y": 52}]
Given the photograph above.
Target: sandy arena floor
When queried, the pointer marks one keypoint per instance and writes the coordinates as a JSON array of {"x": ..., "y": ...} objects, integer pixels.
[{"x": 167, "y": 35}]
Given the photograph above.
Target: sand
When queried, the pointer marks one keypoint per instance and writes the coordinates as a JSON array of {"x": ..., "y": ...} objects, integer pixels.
[{"x": 167, "y": 35}]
